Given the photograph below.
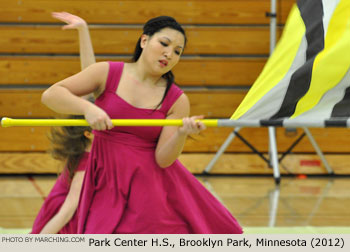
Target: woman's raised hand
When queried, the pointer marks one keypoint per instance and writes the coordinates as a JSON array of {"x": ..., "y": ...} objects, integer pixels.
[
  {"x": 191, "y": 125},
  {"x": 73, "y": 22},
  {"x": 97, "y": 118}
]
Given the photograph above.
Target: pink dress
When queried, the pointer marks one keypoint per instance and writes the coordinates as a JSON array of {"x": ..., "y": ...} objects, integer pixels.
[
  {"x": 125, "y": 191},
  {"x": 55, "y": 200}
]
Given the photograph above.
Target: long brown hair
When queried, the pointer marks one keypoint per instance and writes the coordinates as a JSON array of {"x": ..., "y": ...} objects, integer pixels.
[{"x": 69, "y": 144}]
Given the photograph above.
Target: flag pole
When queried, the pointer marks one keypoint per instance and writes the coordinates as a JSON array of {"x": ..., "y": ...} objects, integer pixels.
[{"x": 9, "y": 122}]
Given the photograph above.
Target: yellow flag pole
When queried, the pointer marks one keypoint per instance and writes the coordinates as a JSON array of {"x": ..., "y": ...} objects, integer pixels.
[
  {"x": 287, "y": 123},
  {"x": 9, "y": 122}
]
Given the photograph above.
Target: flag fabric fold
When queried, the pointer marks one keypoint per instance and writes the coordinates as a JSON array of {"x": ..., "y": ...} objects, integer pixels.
[{"x": 308, "y": 75}]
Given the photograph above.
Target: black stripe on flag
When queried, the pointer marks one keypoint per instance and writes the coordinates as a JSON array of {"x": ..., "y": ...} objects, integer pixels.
[
  {"x": 312, "y": 14},
  {"x": 342, "y": 108}
]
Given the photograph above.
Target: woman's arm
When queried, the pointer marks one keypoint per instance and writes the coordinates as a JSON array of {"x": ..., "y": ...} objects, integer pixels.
[
  {"x": 87, "y": 56},
  {"x": 172, "y": 139},
  {"x": 68, "y": 208},
  {"x": 64, "y": 96}
]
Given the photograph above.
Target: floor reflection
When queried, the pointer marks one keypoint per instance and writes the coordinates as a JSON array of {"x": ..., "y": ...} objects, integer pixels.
[
  {"x": 254, "y": 201},
  {"x": 295, "y": 202}
]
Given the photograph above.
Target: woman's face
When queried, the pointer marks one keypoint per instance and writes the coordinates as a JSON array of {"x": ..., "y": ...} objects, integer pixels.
[{"x": 162, "y": 51}]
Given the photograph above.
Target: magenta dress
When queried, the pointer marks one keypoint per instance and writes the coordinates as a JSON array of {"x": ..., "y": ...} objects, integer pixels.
[
  {"x": 55, "y": 200},
  {"x": 126, "y": 192}
]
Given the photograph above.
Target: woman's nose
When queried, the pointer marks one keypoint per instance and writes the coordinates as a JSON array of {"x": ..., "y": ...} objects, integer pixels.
[{"x": 168, "y": 54}]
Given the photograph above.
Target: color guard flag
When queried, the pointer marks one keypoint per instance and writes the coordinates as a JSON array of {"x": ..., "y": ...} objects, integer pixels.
[{"x": 307, "y": 77}]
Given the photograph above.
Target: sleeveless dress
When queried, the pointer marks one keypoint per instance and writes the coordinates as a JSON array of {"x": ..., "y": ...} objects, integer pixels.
[
  {"x": 55, "y": 200},
  {"x": 125, "y": 191}
]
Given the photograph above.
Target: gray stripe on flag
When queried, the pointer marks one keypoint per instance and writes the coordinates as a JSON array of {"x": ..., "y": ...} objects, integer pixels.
[
  {"x": 312, "y": 15},
  {"x": 271, "y": 102},
  {"x": 325, "y": 106},
  {"x": 328, "y": 9}
]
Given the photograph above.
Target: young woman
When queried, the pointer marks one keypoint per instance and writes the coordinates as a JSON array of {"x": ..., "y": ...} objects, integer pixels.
[
  {"x": 134, "y": 182},
  {"x": 70, "y": 145},
  {"x": 58, "y": 213}
]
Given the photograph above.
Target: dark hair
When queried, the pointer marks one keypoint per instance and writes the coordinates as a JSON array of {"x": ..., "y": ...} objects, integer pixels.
[
  {"x": 69, "y": 144},
  {"x": 151, "y": 27}
]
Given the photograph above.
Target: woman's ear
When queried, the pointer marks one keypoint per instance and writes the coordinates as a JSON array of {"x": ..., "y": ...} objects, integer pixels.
[
  {"x": 143, "y": 41},
  {"x": 88, "y": 135}
]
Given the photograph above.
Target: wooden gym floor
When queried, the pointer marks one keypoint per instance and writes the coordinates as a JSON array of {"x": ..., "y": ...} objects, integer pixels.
[{"x": 254, "y": 201}]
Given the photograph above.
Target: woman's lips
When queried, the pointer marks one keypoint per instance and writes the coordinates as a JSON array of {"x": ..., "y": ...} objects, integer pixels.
[{"x": 163, "y": 63}]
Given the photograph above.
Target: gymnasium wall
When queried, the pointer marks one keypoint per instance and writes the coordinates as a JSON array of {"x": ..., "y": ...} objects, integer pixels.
[{"x": 228, "y": 45}]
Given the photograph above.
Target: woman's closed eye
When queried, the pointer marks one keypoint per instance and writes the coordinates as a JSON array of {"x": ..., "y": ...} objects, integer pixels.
[{"x": 165, "y": 45}]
